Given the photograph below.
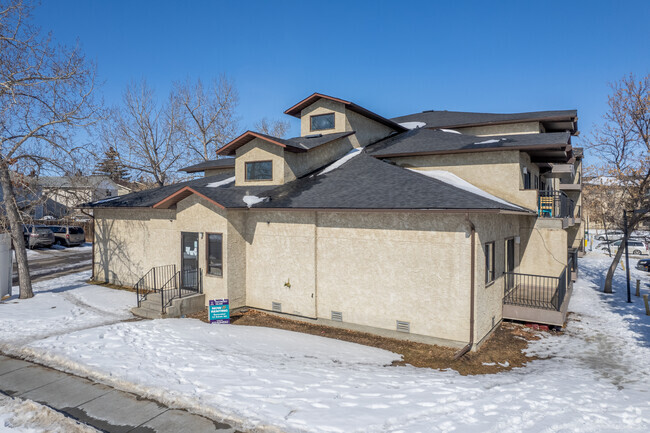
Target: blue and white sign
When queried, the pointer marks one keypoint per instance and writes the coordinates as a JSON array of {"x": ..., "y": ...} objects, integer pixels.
[{"x": 219, "y": 311}]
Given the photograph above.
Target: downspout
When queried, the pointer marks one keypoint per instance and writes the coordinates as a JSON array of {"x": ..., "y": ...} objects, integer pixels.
[{"x": 472, "y": 271}]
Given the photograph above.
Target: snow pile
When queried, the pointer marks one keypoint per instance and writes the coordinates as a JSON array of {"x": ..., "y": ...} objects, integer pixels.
[
  {"x": 221, "y": 182},
  {"x": 59, "y": 306},
  {"x": 336, "y": 164},
  {"x": 451, "y": 131},
  {"x": 251, "y": 200},
  {"x": 26, "y": 416},
  {"x": 412, "y": 125},
  {"x": 453, "y": 180}
]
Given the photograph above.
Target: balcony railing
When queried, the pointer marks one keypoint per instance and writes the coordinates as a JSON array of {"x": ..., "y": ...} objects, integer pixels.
[
  {"x": 537, "y": 291},
  {"x": 554, "y": 204}
]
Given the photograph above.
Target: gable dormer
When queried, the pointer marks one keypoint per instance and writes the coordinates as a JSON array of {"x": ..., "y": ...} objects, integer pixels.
[{"x": 322, "y": 114}]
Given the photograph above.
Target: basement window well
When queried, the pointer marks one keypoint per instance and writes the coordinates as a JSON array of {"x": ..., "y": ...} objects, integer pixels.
[{"x": 322, "y": 121}]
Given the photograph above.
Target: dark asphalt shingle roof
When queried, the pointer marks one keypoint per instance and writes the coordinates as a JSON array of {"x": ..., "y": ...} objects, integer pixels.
[
  {"x": 363, "y": 182},
  {"x": 442, "y": 119},
  {"x": 206, "y": 165},
  {"x": 423, "y": 140}
]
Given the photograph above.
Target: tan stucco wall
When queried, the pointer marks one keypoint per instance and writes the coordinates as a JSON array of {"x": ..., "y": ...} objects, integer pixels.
[
  {"x": 323, "y": 106},
  {"x": 489, "y": 298},
  {"x": 260, "y": 150},
  {"x": 215, "y": 171},
  {"x": 376, "y": 268},
  {"x": 508, "y": 129},
  {"x": 373, "y": 267},
  {"x": 543, "y": 247},
  {"x": 129, "y": 242},
  {"x": 299, "y": 164},
  {"x": 498, "y": 173},
  {"x": 367, "y": 130}
]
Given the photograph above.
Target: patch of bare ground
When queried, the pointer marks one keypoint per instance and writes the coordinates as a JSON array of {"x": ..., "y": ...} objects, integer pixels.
[
  {"x": 502, "y": 351},
  {"x": 111, "y": 286}
]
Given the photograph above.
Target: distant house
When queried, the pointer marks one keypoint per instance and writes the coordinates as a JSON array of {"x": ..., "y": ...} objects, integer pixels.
[
  {"x": 70, "y": 191},
  {"x": 433, "y": 226}
]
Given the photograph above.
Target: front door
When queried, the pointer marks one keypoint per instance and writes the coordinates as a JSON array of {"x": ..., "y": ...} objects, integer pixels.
[{"x": 190, "y": 261}]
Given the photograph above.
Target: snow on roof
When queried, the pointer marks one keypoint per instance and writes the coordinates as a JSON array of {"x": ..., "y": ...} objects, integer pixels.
[
  {"x": 106, "y": 200},
  {"x": 453, "y": 180},
  {"x": 491, "y": 141},
  {"x": 413, "y": 125},
  {"x": 251, "y": 200},
  {"x": 221, "y": 182},
  {"x": 336, "y": 164},
  {"x": 452, "y": 131}
]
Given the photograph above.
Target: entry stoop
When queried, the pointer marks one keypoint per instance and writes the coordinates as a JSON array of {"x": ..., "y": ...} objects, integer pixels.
[{"x": 151, "y": 307}]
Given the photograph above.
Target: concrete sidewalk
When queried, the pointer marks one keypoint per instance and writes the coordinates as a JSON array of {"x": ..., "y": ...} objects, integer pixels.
[{"x": 99, "y": 406}]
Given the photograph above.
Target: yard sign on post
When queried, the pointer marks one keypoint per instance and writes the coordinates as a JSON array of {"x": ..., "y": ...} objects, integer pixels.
[{"x": 219, "y": 311}]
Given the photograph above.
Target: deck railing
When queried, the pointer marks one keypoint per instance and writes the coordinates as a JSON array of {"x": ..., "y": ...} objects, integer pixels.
[
  {"x": 554, "y": 204},
  {"x": 535, "y": 291}
]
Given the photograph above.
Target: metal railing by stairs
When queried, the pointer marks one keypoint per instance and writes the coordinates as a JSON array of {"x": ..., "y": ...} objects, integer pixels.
[{"x": 163, "y": 284}]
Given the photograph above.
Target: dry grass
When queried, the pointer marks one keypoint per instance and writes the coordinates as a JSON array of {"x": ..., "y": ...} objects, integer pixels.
[{"x": 503, "y": 350}]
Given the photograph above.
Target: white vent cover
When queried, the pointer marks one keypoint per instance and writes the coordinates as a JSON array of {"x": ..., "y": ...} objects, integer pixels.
[
  {"x": 276, "y": 306},
  {"x": 337, "y": 316},
  {"x": 403, "y": 326}
]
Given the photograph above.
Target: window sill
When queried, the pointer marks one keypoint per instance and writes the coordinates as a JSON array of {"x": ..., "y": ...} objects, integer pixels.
[
  {"x": 213, "y": 275},
  {"x": 489, "y": 284}
]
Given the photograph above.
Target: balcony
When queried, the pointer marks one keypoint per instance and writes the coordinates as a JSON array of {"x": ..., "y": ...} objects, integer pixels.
[
  {"x": 540, "y": 298},
  {"x": 556, "y": 204}
]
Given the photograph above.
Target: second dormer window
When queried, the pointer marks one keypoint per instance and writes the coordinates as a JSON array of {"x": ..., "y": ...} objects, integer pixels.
[
  {"x": 322, "y": 121},
  {"x": 259, "y": 170}
]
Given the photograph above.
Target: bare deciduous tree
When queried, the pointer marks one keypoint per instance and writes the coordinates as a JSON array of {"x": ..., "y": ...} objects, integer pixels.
[
  {"x": 207, "y": 117},
  {"x": 145, "y": 133},
  {"x": 623, "y": 142},
  {"x": 274, "y": 128},
  {"x": 45, "y": 91}
]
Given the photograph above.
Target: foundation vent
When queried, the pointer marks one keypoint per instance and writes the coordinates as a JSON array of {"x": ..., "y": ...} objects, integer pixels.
[
  {"x": 337, "y": 316},
  {"x": 276, "y": 306},
  {"x": 403, "y": 326}
]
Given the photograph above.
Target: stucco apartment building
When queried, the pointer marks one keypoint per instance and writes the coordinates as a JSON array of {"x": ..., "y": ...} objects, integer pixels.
[{"x": 433, "y": 226}]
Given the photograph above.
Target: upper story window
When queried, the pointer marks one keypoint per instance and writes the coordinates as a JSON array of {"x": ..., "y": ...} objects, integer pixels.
[
  {"x": 259, "y": 170},
  {"x": 322, "y": 121}
]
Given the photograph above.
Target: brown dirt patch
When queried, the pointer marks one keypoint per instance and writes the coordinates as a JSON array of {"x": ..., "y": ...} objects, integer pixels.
[
  {"x": 502, "y": 351},
  {"x": 111, "y": 286}
]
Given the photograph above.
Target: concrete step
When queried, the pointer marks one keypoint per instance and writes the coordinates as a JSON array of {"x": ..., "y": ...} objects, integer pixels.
[{"x": 147, "y": 313}]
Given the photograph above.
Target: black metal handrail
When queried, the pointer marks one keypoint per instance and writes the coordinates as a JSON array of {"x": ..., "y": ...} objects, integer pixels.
[
  {"x": 152, "y": 281},
  {"x": 554, "y": 204},
  {"x": 183, "y": 283},
  {"x": 536, "y": 291}
]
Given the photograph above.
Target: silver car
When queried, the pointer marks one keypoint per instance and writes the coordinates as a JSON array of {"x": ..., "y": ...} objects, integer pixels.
[{"x": 38, "y": 236}]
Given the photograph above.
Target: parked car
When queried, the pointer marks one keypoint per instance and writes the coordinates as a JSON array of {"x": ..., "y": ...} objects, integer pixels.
[
  {"x": 636, "y": 247},
  {"x": 610, "y": 235},
  {"x": 68, "y": 235},
  {"x": 643, "y": 265},
  {"x": 37, "y": 236}
]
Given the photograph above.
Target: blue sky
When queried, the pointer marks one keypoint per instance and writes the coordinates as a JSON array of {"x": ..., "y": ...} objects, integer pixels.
[{"x": 393, "y": 58}]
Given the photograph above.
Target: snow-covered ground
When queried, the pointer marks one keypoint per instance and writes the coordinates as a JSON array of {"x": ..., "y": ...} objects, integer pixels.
[
  {"x": 26, "y": 416},
  {"x": 60, "y": 306},
  {"x": 593, "y": 377}
]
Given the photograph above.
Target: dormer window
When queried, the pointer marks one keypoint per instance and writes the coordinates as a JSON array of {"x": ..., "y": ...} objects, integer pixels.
[
  {"x": 322, "y": 121},
  {"x": 259, "y": 170}
]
